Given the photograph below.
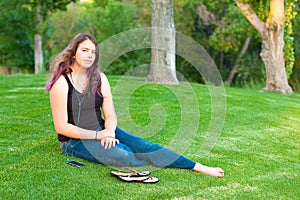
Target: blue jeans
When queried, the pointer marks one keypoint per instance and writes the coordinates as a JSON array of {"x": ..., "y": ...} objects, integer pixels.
[{"x": 132, "y": 151}]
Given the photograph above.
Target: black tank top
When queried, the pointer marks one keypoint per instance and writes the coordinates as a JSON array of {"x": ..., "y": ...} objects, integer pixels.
[{"x": 83, "y": 110}]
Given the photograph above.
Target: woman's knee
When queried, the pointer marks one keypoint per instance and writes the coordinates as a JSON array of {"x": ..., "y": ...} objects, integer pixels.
[{"x": 122, "y": 155}]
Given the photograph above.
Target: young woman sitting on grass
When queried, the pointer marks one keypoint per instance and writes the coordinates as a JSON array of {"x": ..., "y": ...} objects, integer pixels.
[{"x": 79, "y": 94}]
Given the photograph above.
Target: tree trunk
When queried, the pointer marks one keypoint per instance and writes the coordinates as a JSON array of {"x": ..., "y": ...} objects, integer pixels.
[
  {"x": 272, "y": 32},
  {"x": 162, "y": 68},
  {"x": 38, "y": 51},
  {"x": 272, "y": 56},
  {"x": 236, "y": 64}
]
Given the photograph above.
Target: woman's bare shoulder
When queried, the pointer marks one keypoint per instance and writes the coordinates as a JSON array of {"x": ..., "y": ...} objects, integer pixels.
[
  {"x": 105, "y": 86},
  {"x": 102, "y": 75},
  {"x": 104, "y": 79},
  {"x": 60, "y": 84}
]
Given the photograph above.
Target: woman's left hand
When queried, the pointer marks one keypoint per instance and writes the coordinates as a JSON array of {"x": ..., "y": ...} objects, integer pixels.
[
  {"x": 108, "y": 139},
  {"x": 109, "y": 142}
]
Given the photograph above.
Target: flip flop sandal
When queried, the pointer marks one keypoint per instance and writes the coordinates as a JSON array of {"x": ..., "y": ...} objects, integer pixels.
[
  {"x": 130, "y": 174},
  {"x": 146, "y": 180}
]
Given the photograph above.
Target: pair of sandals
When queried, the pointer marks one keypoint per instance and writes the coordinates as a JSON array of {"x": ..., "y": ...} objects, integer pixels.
[{"x": 135, "y": 176}]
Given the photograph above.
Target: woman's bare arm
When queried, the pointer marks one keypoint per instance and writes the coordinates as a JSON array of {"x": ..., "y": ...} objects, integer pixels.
[{"x": 108, "y": 106}]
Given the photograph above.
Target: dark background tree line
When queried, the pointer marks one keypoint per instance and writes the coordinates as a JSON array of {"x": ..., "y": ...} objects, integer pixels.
[{"x": 220, "y": 28}]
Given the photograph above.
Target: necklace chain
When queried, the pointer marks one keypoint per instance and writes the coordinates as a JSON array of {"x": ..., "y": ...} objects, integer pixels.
[
  {"x": 74, "y": 81},
  {"x": 78, "y": 99}
]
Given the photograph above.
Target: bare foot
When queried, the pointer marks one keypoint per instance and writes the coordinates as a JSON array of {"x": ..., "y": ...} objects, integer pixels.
[{"x": 212, "y": 171}]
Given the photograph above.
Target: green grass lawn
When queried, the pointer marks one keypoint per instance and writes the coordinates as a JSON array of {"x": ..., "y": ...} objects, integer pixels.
[{"x": 259, "y": 146}]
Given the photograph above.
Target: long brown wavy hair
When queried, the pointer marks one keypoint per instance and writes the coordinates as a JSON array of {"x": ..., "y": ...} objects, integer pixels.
[{"x": 62, "y": 64}]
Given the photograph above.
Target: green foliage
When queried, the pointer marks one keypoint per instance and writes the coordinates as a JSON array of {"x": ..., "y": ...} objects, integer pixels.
[
  {"x": 231, "y": 31},
  {"x": 219, "y": 8},
  {"x": 104, "y": 22},
  {"x": 296, "y": 33},
  {"x": 16, "y": 52},
  {"x": 18, "y": 24},
  {"x": 251, "y": 72},
  {"x": 261, "y": 8},
  {"x": 290, "y": 14},
  {"x": 15, "y": 43},
  {"x": 224, "y": 39},
  {"x": 185, "y": 14},
  {"x": 294, "y": 80},
  {"x": 48, "y": 7}
]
